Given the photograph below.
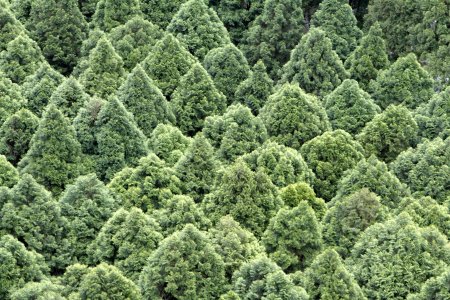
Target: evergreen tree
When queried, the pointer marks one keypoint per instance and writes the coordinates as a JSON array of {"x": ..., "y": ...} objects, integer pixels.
[
  {"x": 185, "y": 266},
  {"x": 327, "y": 278},
  {"x": 167, "y": 62},
  {"x": 349, "y": 107},
  {"x": 16, "y": 133},
  {"x": 329, "y": 156},
  {"x": 11, "y": 27},
  {"x": 293, "y": 237},
  {"x": 8, "y": 174},
  {"x": 404, "y": 82},
  {"x": 435, "y": 288},
  {"x": 59, "y": 28},
  {"x": 389, "y": 133},
  {"x": 274, "y": 33},
  {"x": 145, "y": 101},
  {"x": 168, "y": 143},
  {"x": 228, "y": 68},
  {"x": 22, "y": 57},
  {"x": 21, "y": 8},
  {"x": 293, "y": 117},
  {"x": 160, "y": 12},
  {"x": 293, "y": 194},
  {"x": 72, "y": 278},
  {"x": 235, "y": 133},
  {"x": 39, "y": 290},
  {"x": 11, "y": 98},
  {"x": 87, "y": 7},
  {"x": 86, "y": 47},
  {"x": 198, "y": 28},
  {"x": 433, "y": 117},
  {"x": 105, "y": 71},
  {"x": 195, "y": 98},
  {"x": 314, "y": 65},
  {"x": 255, "y": 90},
  {"x": 336, "y": 19},
  {"x": 69, "y": 97},
  {"x": 112, "y": 13}
]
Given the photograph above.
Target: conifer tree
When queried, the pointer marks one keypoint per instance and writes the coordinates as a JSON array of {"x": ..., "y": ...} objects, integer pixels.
[
  {"x": 293, "y": 194},
  {"x": 145, "y": 101},
  {"x": 274, "y": 33},
  {"x": 349, "y": 107},
  {"x": 336, "y": 19},
  {"x": 87, "y": 7},
  {"x": 314, "y": 65},
  {"x": 327, "y": 278},
  {"x": 168, "y": 143},
  {"x": 86, "y": 47},
  {"x": 112, "y": 13},
  {"x": 39, "y": 290},
  {"x": 185, "y": 266},
  {"x": 16, "y": 133},
  {"x": 8, "y": 174},
  {"x": 160, "y": 12},
  {"x": 11, "y": 98},
  {"x": 105, "y": 71},
  {"x": 54, "y": 158},
  {"x": 228, "y": 68},
  {"x": 434, "y": 288},
  {"x": 196, "y": 98},
  {"x": 198, "y": 28},
  {"x": 329, "y": 156},
  {"x": 11, "y": 27},
  {"x": 293, "y": 117},
  {"x": 167, "y": 62},
  {"x": 59, "y": 28},
  {"x": 69, "y": 97},
  {"x": 389, "y": 133},
  {"x": 255, "y": 90},
  {"x": 21, "y": 9},
  {"x": 433, "y": 117}
]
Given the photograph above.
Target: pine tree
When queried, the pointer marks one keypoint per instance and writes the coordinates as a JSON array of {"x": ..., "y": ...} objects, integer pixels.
[
  {"x": 198, "y": 28},
  {"x": 194, "y": 99},
  {"x": 112, "y": 13},
  {"x": 11, "y": 27},
  {"x": 54, "y": 158},
  {"x": 39, "y": 290},
  {"x": 336, "y": 19},
  {"x": 105, "y": 72},
  {"x": 11, "y": 98},
  {"x": 349, "y": 107},
  {"x": 185, "y": 266},
  {"x": 86, "y": 47},
  {"x": 293, "y": 194},
  {"x": 434, "y": 288},
  {"x": 160, "y": 12},
  {"x": 69, "y": 97},
  {"x": 256, "y": 89},
  {"x": 293, "y": 117},
  {"x": 274, "y": 33},
  {"x": 168, "y": 143},
  {"x": 228, "y": 68},
  {"x": 314, "y": 65},
  {"x": 433, "y": 117},
  {"x": 145, "y": 101},
  {"x": 8, "y": 174}
]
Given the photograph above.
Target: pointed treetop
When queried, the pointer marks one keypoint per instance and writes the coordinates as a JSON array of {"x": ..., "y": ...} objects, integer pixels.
[
  {"x": 112, "y": 13},
  {"x": 168, "y": 143},
  {"x": 160, "y": 12},
  {"x": 69, "y": 97},
  {"x": 11, "y": 98}
]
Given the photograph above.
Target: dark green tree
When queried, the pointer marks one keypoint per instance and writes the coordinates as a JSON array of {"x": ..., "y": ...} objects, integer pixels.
[
  {"x": 433, "y": 117},
  {"x": 160, "y": 12},
  {"x": 11, "y": 98},
  {"x": 168, "y": 143},
  {"x": 112, "y": 13},
  {"x": 9, "y": 176},
  {"x": 293, "y": 194},
  {"x": 72, "y": 279},
  {"x": 39, "y": 290},
  {"x": 435, "y": 288},
  {"x": 69, "y": 97},
  {"x": 88, "y": 44},
  {"x": 87, "y": 7}
]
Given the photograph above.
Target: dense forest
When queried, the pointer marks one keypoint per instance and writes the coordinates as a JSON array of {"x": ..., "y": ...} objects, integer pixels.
[{"x": 224, "y": 149}]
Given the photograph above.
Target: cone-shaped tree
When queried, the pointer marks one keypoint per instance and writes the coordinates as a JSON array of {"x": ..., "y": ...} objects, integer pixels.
[
  {"x": 39, "y": 290},
  {"x": 198, "y": 28},
  {"x": 389, "y": 133},
  {"x": 16, "y": 133},
  {"x": 11, "y": 98},
  {"x": 293, "y": 117},
  {"x": 160, "y": 12},
  {"x": 88, "y": 44},
  {"x": 112, "y": 13},
  {"x": 196, "y": 98},
  {"x": 59, "y": 28},
  {"x": 249, "y": 197},
  {"x": 274, "y": 33},
  {"x": 228, "y": 68},
  {"x": 11, "y": 27},
  {"x": 145, "y": 101},
  {"x": 197, "y": 168},
  {"x": 433, "y": 117},
  {"x": 434, "y": 289},
  {"x": 72, "y": 278},
  {"x": 349, "y": 107},
  {"x": 404, "y": 82},
  {"x": 185, "y": 266},
  {"x": 255, "y": 90},
  {"x": 167, "y": 62},
  {"x": 147, "y": 186},
  {"x": 18, "y": 266},
  {"x": 134, "y": 40},
  {"x": 329, "y": 156},
  {"x": 39, "y": 87},
  {"x": 21, "y": 58},
  {"x": 105, "y": 72},
  {"x": 235, "y": 133},
  {"x": 120, "y": 142},
  {"x": 327, "y": 278},
  {"x": 8, "y": 174},
  {"x": 336, "y": 19},
  {"x": 349, "y": 217},
  {"x": 368, "y": 58},
  {"x": 314, "y": 65},
  {"x": 293, "y": 194},
  {"x": 168, "y": 143},
  {"x": 293, "y": 237},
  {"x": 261, "y": 278},
  {"x": 87, "y": 205},
  {"x": 69, "y": 97},
  {"x": 284, "y": 165},
  {"x": 127, "y": 240}
]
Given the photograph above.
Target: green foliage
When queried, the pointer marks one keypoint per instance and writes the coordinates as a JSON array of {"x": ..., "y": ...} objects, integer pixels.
[
  {"x": 21, "y": 8},
  {"x": 293, "y": 117},
  {"x": 43, "y": 290},
  {"x": 185, "y": 266},
  {"x": 160, "y": 12},
  {"x": 72, "y": 278},
  {"x": 8, "y": 174},
  {"x": 349, "y": 107},
  {"x": 168, "y": 143},
  {"x": 11, "y": 27},
  {"x": 314, "y": 65},
  {"x": 87, "y": 7},
  {"x": 88, "y": 44},
  {"x": 389, "y": 133},
  {"x": 112, "y": 13},
  {"x": 196, "y": 98},
  {"x": 11, "y": 98},
  {"x": 433, "y": 117},
  {"x": 198, "y": 28},
  {"x": 434, "y": 289},
  {"x": 69, "y": 97},
  {"x": 293, "y": 194}
]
